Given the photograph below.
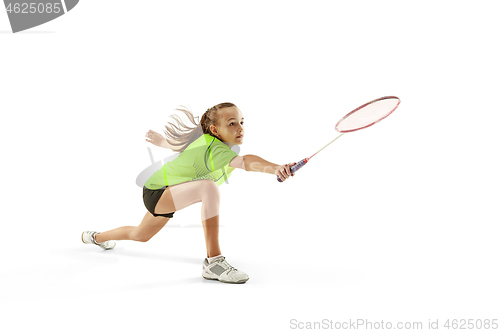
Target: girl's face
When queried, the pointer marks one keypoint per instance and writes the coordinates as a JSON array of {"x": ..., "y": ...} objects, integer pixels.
[{"x": 230, "y": 129}]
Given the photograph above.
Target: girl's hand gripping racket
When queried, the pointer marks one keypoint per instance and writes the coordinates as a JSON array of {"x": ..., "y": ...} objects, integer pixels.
[{"x": 364, "y": 116}]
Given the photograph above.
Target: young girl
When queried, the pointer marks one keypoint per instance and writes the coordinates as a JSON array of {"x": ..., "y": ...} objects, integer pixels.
[{"x": 204, "y": 163}]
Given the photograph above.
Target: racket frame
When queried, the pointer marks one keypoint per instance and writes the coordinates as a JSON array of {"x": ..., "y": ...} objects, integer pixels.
[{"x": 362, "y": 106}]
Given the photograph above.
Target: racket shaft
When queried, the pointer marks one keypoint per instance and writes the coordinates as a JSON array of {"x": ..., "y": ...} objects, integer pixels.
[
  {"x": 329, "y": 143},
  {"x": 295, "y": 167}
]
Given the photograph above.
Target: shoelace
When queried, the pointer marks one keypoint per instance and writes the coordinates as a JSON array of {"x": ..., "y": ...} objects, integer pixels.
[{"x": 229, "y": 267}]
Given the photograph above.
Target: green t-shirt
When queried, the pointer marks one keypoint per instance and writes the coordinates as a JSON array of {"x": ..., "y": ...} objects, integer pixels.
[{"x": 205, "y": 158}]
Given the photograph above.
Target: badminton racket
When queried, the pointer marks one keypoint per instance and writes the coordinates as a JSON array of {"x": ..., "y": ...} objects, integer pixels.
[{"x": 362, "y": 117}]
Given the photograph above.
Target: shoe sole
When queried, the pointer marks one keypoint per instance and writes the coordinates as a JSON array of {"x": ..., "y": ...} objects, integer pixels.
[{"x": 236, "y": 282}]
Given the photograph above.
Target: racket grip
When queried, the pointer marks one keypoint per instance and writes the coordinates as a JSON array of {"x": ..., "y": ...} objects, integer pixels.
[{"x": 295, "y": 167}]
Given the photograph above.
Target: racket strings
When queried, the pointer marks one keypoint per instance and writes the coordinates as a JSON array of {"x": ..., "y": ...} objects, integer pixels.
[{"x": 367, "y": 114}]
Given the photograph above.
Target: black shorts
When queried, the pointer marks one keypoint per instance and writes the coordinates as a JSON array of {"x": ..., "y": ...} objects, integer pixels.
[{"x": 151, "y": 197}]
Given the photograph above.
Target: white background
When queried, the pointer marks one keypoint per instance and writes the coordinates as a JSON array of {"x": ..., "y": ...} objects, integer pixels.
[{"x": 398, "y": 222}]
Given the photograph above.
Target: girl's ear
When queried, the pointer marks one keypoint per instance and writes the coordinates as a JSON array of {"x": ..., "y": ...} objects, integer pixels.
[{"x": 213, "y": 129}]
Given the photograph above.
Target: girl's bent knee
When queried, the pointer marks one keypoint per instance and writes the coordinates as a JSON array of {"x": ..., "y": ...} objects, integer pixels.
[
  {"x": 134, "y": 235},
  {"x": 210, "y": 187}
]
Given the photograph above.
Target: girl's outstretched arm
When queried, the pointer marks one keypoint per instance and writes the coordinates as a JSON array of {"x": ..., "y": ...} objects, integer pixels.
[
  {"x": 158, "y": 140},
  {"x": 258, "y": 164}
]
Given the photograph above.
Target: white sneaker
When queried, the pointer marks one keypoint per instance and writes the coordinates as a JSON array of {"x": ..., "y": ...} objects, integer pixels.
[
  {"x": 88, "y": 237},
  {"x": 220, "y": 270}
]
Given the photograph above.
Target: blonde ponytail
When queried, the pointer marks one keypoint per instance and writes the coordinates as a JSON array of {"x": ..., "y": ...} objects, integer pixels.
[{"x": 179, "y": 136}]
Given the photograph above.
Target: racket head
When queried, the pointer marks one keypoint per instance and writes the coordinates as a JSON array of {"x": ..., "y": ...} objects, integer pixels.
[{"x": 367, "y": 114}]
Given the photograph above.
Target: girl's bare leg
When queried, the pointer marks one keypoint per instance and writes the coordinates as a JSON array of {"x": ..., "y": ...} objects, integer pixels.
[
  {"x": 149, "y": 227},
  {"x": 211, "y": 229},
  {"x": 183, "y": 195},
  {"x": 174, "y": 198}
]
